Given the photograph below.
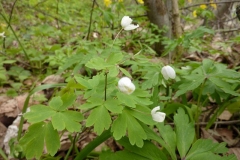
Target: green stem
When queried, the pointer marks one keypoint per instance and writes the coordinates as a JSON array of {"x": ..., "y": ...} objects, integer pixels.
[
  {"x": 3, "y": 154},
  {"x": 116, "y": 36},
  {"x": 24, "y": 51},
  {"x": 199, "y": 110},
  {"x": 93, "y": 144},
  {"x": 105, "y": 88}
]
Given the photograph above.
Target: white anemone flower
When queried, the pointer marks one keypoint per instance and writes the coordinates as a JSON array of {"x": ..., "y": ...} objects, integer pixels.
[
  {"x": 125, "y": 85},
  {"x": 2, "y": 34},
  {"x": 158, "y": 116},
  {"x": 168, "y": 72},
  {"x": 127, "y": 25}
]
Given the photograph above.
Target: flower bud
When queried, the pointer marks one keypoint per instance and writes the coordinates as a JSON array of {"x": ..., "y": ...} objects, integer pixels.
[
  {"x": 157, "y": 116},
  {"x": 125, "y": 85},
  {"x": 168, "y": 72}
]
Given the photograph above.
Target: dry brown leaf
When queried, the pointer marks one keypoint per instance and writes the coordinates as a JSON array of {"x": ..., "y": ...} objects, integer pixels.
[
  {"x": 226, "y": 115},
  {"x": 207, "y": 135},
  {"x": 227, "y": 136},
  {"x": 3, "y": 99},
  {"x": 52, "y": 79},
  {"x": 10, "y": 108}
]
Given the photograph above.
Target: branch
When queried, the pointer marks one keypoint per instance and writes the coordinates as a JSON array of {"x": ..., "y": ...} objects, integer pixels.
[{"x": 208, "y": 3}]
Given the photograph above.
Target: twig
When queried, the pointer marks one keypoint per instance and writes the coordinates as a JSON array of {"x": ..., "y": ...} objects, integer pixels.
[
  {"x": 220, "y": 122},
  {"x": 11, "y": 13},
  {"x": 229, "y": 30},
  {"x": 236, "y": 129},
  {"x": 198, "y": 4},
  {"x": 90, "y": 23}
]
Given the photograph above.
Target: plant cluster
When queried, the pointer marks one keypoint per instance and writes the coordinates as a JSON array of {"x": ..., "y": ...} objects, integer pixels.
[{"x": 124, "y": 94}]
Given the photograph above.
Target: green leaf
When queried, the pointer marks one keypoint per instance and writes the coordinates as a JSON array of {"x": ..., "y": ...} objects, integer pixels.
[
  {"x": 100, "y": 118},
  {"x": 120, "y": 155},
  {"x": 119, "y": 126},
  {"x": 39, "y": 113},
  {"x": 190, "y": 85},
  {"x": 125, "y": 72},
  {"x": 143, "y": 114},
  {"x": 126, "y": 99},
  {"x": 56, "y": 103},
  {"x": 52, "y": 139},
  {"x": 226, "y": 87},
  {"x": 154, "y": 136},
  {"x": 33, "y": 140},
  {"x": 149, "y": 150},
  {"x": 207, "y": 64},
  {"x": 209, "y": 155},
  {"x": 113, "y": 105},
  {"x": 68, "y": 100},
  {"x": 67, "y": 120},
  {"x": 114, "y": 58},
  {"x": 136, "y": 133},
  {"x": 184, "y": 132},
  {"x": 82, "y": 81},
  {"x": 97, "y": 63},
  {"x": 205, "y": 145},
  {"x": 169, "y": 137}
]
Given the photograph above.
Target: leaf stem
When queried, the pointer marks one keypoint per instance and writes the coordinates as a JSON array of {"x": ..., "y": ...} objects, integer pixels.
[
  {"x": 199, "y": 110},
  {"x": 117, "y": 36},
  {"x": 3, "y": 154},
  {"x": 90, "y": 23},
  {"x": 105, "y": 88},
  {"x": 10, "y": 26},
  {"x": 93, "y": 144}
]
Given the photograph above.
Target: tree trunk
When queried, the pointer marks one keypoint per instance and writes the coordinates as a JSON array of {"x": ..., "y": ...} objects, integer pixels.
[{"x": 158, "y": 14}]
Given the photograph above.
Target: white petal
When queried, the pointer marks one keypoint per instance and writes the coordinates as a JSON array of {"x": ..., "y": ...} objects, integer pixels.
[
  {"x": 168, "y": 72},
  {"x": 157, "y": 116},
  {"x": 126, "y": 20},
  {"x": 131, "y": 27},
  {"x": 154, "y": 110},
  {"x": 164, "y": 73},
  {"x": 171, "y": 72},
  {"x": 125, "y": 85},
  {"x": 2, "y": 34}
]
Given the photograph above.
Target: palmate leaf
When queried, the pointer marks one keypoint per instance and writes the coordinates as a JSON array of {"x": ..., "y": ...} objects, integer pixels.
[
  {"x": 126, "y": 122},
  {"x": 113, "y": 105},
  {"x": 126, "y": 99},
  {"x": 120, "y": 155},
  {"x": 67, "y": 120},
  {"x": 184, "y": 132},
  {"x": 97, "y": 63},
  {"x": 148, "y": 150},
  {"x": 56, "y": 103},
  {"x": 190, "y": 85},
  {"x": 39, "y": 113},
  {"x": 202, "y": 146},
  {"x": 226, "y": 87},
  {"x": 99, "y": 118},
  {"x": 169, "y": 137},
  {"x": 39, "y": 134}
]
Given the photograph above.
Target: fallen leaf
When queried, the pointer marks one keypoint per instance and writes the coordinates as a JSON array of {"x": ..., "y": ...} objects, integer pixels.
[{"x": 226, "y": 115}]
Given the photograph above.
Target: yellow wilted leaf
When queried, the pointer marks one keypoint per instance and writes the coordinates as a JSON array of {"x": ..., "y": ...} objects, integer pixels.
[
  {"x": 140, "y": 1},
  {"x": 107, "y": 3},
  {"x": 203, "y": 6},
  {"x": 194, "y": 13},
  {"x": 214, "y": 5}
]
